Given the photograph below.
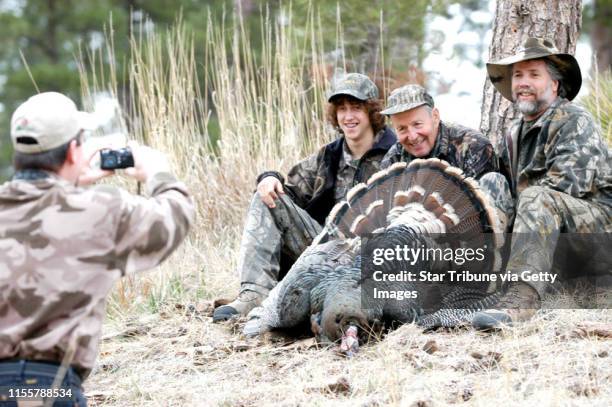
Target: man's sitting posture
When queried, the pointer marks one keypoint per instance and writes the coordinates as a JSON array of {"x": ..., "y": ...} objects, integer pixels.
[
  {"x": 285, "y": 215},
  {"x": 561, "y": 166}
]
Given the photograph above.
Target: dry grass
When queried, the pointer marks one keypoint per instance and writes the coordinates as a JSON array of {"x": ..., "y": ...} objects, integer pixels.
[
  {"x": 160, "y": 347},
  {"x": 177, "y": 357},
  {"x": 599, "y": 102}
]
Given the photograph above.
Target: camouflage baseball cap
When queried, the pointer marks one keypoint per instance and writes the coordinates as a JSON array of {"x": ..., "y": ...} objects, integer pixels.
[
  {"x": 46, "y": 121},
  {"x": 500, "y": 72},
  {"x": 406, "y": 98},
  {"x": 353, "y": 84}
]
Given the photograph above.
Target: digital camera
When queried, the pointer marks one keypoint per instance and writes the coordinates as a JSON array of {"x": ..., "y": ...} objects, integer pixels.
[{"x": 116, "y": 159}]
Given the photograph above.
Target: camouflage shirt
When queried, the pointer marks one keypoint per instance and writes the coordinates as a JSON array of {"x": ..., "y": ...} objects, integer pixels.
[
  {"x": 63, "y": 247},
  {"x": 564, "y": 150},
  {"x": 317, "y": 183},
  {"x": 460, "y": 146}
]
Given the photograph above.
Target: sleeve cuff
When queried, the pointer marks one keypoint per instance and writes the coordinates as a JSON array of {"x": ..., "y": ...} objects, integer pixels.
[
  {"x": 274, "y": 174},
  {"x": 163, "y": 181}
]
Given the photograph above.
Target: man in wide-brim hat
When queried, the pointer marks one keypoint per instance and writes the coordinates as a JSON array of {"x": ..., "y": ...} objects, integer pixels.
[{"x": 562, "y": 174}]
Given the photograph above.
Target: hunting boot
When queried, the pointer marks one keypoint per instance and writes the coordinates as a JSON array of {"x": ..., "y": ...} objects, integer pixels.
[
  {"x": 518, "y": 304},
  {"x": 242, "y": 305}
]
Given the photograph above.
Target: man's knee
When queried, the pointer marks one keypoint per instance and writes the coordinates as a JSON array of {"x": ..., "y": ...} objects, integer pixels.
[
  {"x": 496, "y": 188},
  {"x": 538, "y": 209},
  {"x": 495, "y": 184},
  {"x": 537, "y": 197},
  {"x": 256, "y": 201},
  {"x": 536, "y": 192},
  {"x": 258, "y": 208},
  {"x": 283, "y": 201}
]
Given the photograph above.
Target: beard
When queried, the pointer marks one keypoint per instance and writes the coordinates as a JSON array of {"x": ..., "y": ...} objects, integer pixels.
[
  {"x": 532, "y": 107},
  {"x": 529, "y": 107}
]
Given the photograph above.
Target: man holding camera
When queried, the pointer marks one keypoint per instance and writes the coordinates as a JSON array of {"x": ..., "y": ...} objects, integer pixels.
[{"x": 62, "y": 246}]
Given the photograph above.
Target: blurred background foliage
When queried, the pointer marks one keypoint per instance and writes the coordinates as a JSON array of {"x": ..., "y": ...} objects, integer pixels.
[{"x": 43, "y": 40}]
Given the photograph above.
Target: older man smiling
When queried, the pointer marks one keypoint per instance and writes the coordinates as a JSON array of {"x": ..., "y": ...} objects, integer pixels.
[{"x": 422, "y": 134}]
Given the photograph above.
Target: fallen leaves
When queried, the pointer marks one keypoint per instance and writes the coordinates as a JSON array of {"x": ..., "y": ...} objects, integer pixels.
[
  {"x": 431, "y": 346},
  {"x": 481, "y": 361},
  {"x": 341, "y": 386},
  {"x": 592, "y": 330}
]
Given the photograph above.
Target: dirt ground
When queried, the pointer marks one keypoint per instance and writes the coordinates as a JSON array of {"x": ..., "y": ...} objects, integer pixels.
[{"x": 178, "y": 357}]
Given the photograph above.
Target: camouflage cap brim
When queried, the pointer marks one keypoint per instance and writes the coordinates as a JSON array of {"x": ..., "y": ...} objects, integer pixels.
[
  {"x": 353, "y": 84},
  {"x": 500, "y": 72},
  {"x": 402, "y": 108},
  {"x": 347, "y": 92},
  {"x": 406, "y": 98}
]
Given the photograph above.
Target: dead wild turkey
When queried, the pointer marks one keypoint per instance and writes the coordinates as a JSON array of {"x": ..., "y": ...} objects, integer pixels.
[{"x": 403, "y": 205}]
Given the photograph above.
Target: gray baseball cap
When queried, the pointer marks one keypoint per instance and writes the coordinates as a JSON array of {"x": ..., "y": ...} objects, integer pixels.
[
  {"x": 46, "y": 121},
  {"x": 353, "y": 84},
  {"x": 406, "y": 98}
]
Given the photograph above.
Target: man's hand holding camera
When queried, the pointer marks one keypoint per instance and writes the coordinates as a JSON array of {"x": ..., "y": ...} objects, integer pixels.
[
  {"x": 140, "y": 162},
  {"x": 147, "y": 162}
]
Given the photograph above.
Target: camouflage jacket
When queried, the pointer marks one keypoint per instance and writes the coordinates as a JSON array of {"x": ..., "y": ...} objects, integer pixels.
[
  {"x": 460, "y": 146},
  {"x": 564, "y": 151},
  {"x": 63, "y": 247},
  {"x": 313, "y": 182}
]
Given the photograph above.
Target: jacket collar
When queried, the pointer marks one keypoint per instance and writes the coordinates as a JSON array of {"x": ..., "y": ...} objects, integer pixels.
[
  {"x": 544, "y": 118},
  {"x": 33, "y": 175},
  {"x": 442, "y": 142},
  {"x": 383, "y": 140}
]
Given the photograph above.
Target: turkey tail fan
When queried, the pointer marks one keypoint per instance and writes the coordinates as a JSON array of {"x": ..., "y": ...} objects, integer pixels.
[
  {"x": 363, "y": 211},
  {"x": 389, "y": 183},
  {"x": 429, "y": 194},
  {"x": 343, "y": 215}
]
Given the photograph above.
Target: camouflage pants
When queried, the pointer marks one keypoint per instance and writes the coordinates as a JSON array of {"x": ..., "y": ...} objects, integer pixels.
[
  {"x": 496, "y": 188},
  {"x": 554, "y": 230},
  {"x": 268, "y": 233}
]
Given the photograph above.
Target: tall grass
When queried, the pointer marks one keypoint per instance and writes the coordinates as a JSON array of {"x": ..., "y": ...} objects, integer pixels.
[
  {"x": 269, "y": 111},
  {"x": 599, "y": 102}
]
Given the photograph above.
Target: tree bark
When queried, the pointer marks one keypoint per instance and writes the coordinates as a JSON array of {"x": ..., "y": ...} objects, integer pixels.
[{"x": 515, "y": 21}]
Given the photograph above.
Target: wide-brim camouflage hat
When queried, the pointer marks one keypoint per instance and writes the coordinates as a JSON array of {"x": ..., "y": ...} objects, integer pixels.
[
  {"x": 353, "y": 84},
  {"x": 406, "y": 98},
  {"x": 500, "y": 72}
]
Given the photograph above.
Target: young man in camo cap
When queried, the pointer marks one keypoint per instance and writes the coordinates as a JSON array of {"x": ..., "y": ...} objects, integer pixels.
[
  {"x": 63, "y": 247},
  {"x": 286, "y": 214},
  {"x": 563, "y": 179},
  {"x": 422, "y": 134}
]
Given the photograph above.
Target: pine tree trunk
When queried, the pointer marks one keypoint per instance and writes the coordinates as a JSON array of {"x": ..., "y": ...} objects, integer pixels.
[{"x": 516, "y": 20}]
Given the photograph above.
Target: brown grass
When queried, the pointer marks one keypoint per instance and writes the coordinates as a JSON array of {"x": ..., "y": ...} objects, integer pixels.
[
  {"x": 599, "y": 101},
  {"x": 177, "y": 357}
]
